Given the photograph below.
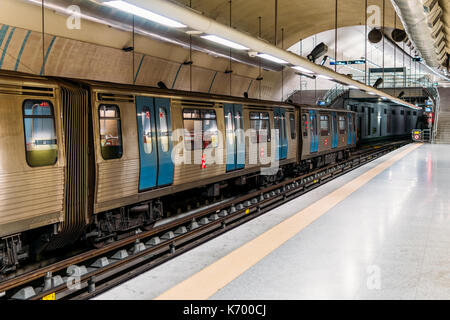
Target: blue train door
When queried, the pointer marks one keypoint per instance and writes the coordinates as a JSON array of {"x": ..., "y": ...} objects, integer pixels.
[
  {"x": 334, "y": 143},
  {"x": 279, "y": 117},
  {"x": 235, "y": 137},
  {"x": 155, "y": 147},
  {"x": 314, "y": 131},
  {"x": 350, "y": 129}
]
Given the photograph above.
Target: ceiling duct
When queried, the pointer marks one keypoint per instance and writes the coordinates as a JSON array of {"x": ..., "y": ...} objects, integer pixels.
[{"x": 422, "y": 23}]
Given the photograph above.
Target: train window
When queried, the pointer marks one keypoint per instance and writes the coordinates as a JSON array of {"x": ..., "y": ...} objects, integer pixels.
[
  {"x": 408, "y": 113},
  {"x": 110, "y": 132},
  {"x": 163, "y": 130},
  {"x": 200, "y": 129},
  {"x": 402, "y": 112},
  {"x": 292, "y": 125},
  {"x": 147, "y": 130},
  {"x": 324, "y": 124},
  {"x": 239, "y": 130},
  {"x": 342, "y": 124},
  {"x": 372, "y": 110},
  {"x": 385, "y": 111},
  {"x": 415, "y": 113},
  {"x": 259, "y": 121},
  {"x": 305, "y": 125},
  {"x": 393, "y": 112},
  {"x": 210, "y": 132},
  {"x": 40, "y": 135}
]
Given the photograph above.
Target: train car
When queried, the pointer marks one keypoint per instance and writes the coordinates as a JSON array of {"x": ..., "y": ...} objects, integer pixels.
[
  {"x": 93, "y": 161},
  {"x": 381, "y": 121},
  {"x": 328, "y": 135},
  {"x": 149, "y": 143}
]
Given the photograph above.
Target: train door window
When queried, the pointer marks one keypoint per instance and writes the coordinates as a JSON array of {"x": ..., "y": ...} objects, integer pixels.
[
  {"x": 305, "y": 125},
  {"x": 163, "y": 130},
  {"x": 292, "y": 125},
  {"x": 385, "y": 111},
  {"x": 350, "y": 127},
  {"x": 402, "y": 112},
  {"x": 283, "y": 126},
  {"x": 147, "y": 130},
  {"x": 277, "y": 125},
  {"x": 238, "y": 122},
  {"x": 229, "y": 127},
  {"x": 40, "y": 135},
  {"x": 341, "y": 124},
  {"x": 110, "y": 132},
  {"x": 324, "y": 125},
  {"x": 393, "y": 112},
  {"x": 415, "y": 113}
]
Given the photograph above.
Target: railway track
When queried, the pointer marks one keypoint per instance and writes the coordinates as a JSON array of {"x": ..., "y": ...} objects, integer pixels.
[{"x": 92, "y": 272}]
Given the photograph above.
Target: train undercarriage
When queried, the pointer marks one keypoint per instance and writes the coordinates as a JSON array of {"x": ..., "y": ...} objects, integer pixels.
[{"x": 119, "y": 223}]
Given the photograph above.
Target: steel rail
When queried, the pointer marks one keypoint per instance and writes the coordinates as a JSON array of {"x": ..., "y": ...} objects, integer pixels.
[{"x": 145, "y": 259}]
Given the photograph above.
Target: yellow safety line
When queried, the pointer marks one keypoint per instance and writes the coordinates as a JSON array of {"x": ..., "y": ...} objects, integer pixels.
[{"x": 212, "y": 278}]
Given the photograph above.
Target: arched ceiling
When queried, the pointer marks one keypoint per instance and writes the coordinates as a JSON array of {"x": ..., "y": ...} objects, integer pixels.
[
  {"x": 299, "y": 18},
  {"x": 94, "y": 51}
]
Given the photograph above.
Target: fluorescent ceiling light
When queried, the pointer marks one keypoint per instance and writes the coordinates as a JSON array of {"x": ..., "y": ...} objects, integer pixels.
[
  {"x": 225, "y": 42},
  {"x": 353, "y": 87},
  {"x": 271, "y": 58},
  {"x": 372, "y": 93},
  {"x": 301, "y": 69},
  {"x": 324, "y": 77},
  {"x": 143, "y": 13}
]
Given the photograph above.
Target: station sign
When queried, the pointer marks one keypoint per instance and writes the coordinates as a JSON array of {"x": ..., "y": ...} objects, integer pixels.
[
  {"x": 321, "y": 102},
  {"x": 416, "y": 135},
  {"x": 428, "y": 109},
  {"x": 345, "y": 62},
  {"x": 428, "y": 103}
]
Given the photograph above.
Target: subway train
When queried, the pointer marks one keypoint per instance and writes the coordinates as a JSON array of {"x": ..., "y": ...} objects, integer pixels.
[
  {"x": 91, "y": 161},
  {"x": 377, "y": 121}
]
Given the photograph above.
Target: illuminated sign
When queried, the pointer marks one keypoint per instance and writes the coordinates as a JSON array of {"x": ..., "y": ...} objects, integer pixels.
[
  {"x": 428, "y": 109},
  {"x": 343, "y": 62}
]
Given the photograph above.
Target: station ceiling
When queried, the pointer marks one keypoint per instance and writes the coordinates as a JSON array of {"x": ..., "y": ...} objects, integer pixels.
[
  {"x": 299, "y": 18},
  {"x": 95, "y": 50}
]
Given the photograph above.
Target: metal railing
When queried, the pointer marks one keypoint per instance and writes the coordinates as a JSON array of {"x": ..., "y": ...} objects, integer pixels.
[{"x": 334, "y": 93}]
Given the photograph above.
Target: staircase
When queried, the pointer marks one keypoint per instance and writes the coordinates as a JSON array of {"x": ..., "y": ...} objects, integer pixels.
[
  {"x": 443, "y": 124},
  {"x": 443, "y": 129}
]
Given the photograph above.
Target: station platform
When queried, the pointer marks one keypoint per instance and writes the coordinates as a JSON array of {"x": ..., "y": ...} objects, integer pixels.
[{"x": 382, "y": 231}]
